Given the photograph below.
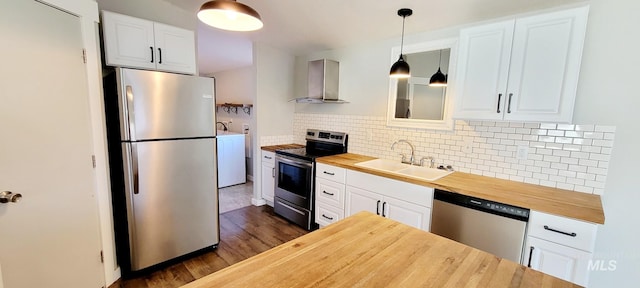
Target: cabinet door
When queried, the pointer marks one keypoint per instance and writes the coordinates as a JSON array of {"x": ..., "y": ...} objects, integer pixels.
[
  {"x": 268, "y": 181},
  {"x": 407, "y": 213},
  {"x": 175, "y": 49},
  {"x": 362, "y": 200},
  {"x": 545, "y": 65},
  {"x": 483, "y": 67},
  {"x": 557, "y": 260},
  {"x": 128, "y": 41}
]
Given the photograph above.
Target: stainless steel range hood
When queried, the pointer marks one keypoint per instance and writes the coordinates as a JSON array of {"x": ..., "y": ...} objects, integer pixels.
[{"x": 322, "y": 82}]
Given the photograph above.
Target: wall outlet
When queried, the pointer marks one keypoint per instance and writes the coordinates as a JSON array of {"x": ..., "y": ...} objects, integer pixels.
[
  {"x": 522, "y": 153},
  {"x": 245, "y": 128},
  {"x": 467, "y": 146}
]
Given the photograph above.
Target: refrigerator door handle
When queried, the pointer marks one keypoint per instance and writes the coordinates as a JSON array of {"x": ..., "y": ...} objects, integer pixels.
[
  {"x": 129, "y": 115},
  {"x": 134, "y": 168}
]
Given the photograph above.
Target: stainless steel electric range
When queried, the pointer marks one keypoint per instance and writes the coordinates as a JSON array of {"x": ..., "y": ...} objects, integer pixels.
[{"x": 295, "y": 175}]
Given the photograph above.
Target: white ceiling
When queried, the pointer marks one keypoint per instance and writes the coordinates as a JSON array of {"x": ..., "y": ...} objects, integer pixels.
[{"x": 302, "y": 26}]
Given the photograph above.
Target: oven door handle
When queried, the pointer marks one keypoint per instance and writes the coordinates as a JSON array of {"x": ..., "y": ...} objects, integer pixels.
[{"x": 300, "y": 163}]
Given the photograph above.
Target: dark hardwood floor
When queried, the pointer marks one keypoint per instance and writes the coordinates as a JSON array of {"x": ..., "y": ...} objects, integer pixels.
[{"x": 244, "y": 232}]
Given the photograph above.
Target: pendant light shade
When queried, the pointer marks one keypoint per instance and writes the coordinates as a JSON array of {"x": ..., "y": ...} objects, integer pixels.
[
  {"x": 400, "y": 69},
  {"x": 438, "y": 79},
  {"x": 230, "y": 15}
]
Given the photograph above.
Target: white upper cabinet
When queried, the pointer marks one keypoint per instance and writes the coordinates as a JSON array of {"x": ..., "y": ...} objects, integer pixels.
[
  {"x": 524, "y": 69},
  {"x": 138, "y": 43}
]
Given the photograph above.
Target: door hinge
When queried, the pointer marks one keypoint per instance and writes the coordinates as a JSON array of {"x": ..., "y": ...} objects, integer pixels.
[
  {"x": 93, "y": 160},
  {"x": 101, "y": 257},
  {"x": 84, "y": 56}
]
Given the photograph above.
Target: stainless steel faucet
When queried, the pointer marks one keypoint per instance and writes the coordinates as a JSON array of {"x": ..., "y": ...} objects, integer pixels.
[{"x": 404, "y": 157}]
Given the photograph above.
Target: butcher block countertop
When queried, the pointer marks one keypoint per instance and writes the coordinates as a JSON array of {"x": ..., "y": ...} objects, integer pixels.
[
  {"x": 273, "y": 148},
  {"x": 580, "y": 206},
  {"x": 366, "y": 250}
]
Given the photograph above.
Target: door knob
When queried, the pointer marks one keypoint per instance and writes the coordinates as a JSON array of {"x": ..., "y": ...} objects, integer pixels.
[{"x": 8, "y": 196}]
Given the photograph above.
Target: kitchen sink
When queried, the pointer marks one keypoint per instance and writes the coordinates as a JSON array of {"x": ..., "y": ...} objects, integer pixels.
[
  {"x": 424, "y": 173},
  {"x": 383, "y": 165},
  {"x": 394, "y": 167}
]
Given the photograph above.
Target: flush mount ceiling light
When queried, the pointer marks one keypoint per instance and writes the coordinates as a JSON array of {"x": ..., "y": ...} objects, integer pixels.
[
  {"x": 230, "y": 15},
  {"x": 438, "y": 79},
  {"x": 400, "y": 69}
]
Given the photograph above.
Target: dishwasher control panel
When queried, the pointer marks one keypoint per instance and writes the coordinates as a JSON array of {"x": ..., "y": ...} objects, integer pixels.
[{"x": 482, "y": 204}]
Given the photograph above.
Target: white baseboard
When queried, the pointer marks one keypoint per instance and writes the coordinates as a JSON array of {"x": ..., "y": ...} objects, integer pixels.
[
  {"x": 250, "y": 178},
  {"x": 258, "y": 202}
]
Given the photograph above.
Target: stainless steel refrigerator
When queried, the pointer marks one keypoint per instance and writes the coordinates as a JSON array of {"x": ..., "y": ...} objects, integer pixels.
[{"x": 162, "y": 147}]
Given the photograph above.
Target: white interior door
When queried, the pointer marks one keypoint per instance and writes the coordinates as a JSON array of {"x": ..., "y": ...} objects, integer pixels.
[{"x": 51, "y": 238}]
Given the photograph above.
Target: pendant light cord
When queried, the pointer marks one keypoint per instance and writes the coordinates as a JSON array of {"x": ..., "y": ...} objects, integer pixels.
[
  {"x": 402, "y": 38},
  {"x": 440, "y": 60}
]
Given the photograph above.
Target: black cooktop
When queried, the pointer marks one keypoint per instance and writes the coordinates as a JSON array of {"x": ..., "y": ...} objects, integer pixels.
[
  {"x": 303, "y": 153},
  {"x": 319, "y": 144}
]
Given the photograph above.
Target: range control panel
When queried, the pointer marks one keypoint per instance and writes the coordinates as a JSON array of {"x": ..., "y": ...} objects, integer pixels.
[{"x": 327, "y": 136}]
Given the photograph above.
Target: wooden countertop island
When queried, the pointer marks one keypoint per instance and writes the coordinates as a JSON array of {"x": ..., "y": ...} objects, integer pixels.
[{"x": 366, "y": 250}]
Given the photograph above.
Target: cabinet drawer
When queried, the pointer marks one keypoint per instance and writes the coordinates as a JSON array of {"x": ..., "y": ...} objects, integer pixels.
[
  {"x": 268, "y": 156},
  {"x": 329, "y": 172},
  {"x": 330, "y": 192},
  {"x": 327, "y": 214},
  {"x": 409, "y": 192},
  {"x": 561, "y": 230}
]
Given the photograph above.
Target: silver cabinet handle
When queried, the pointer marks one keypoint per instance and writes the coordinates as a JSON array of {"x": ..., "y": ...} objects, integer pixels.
[
  {"x": 572, "y": 234},
  {"x": 273, "y": 172},
  {"x": 8, "y": 196}
]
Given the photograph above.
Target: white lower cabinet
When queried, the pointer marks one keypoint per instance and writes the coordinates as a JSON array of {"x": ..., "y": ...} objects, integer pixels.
[
  {"x": 330, "y": 190},
  {"x": 401, "y": 201},
  {"x": 557, "y": 260},
  {"x": 268, "y": 176},
  {"x": 560, "y": 246}
]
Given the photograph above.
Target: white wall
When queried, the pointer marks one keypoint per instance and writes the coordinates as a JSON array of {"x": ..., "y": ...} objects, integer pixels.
[
  {"x": 274, "y": 88},
  {"x": 236, "y": 86},
  {"x": 608, "y": 94}
]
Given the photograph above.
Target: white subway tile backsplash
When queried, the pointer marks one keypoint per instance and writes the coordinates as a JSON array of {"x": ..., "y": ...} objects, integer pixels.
[{"x": 565, "y": 156}]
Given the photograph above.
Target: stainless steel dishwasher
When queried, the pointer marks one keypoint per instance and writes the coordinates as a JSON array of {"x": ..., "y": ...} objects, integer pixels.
[{"x": 490, "y": 226}]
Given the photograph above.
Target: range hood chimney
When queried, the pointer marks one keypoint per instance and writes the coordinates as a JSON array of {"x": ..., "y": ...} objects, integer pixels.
[{"x": 322, "y": 82}]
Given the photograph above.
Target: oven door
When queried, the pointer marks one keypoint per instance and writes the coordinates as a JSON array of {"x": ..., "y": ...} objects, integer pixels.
[{"x": 294, "y": 180}]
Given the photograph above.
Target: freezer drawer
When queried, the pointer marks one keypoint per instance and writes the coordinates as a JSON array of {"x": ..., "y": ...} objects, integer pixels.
[{"x": 170, "y": 213}]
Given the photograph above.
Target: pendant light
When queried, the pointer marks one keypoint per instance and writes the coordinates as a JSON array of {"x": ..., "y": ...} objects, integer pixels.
[
  {"x": 230, "y": 15},
  {"x": 438, "y": 79},
  {"x": 400, "y": 69}
]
